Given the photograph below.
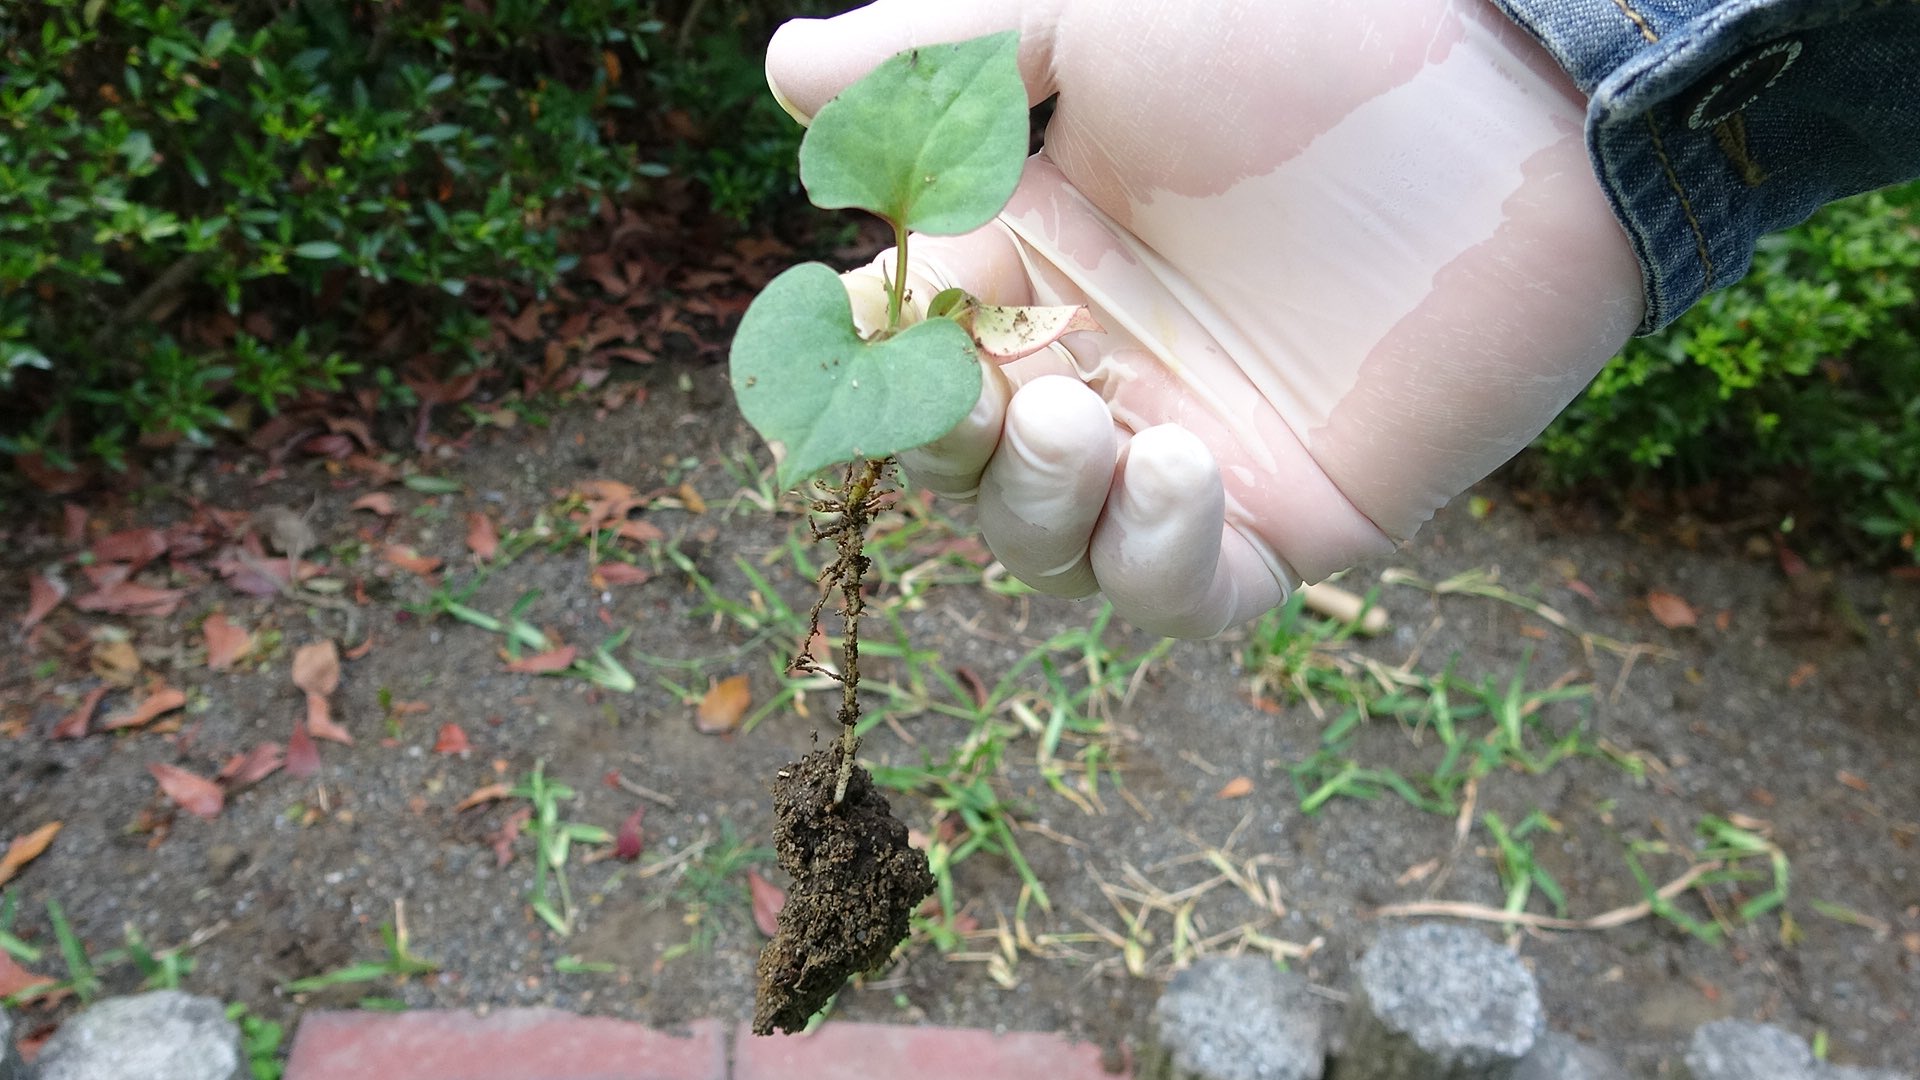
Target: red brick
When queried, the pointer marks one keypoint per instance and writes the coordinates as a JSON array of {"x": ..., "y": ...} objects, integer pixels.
[
  {"x": 842, "y": 1051},
  {"x": 507, "y": 1044}
]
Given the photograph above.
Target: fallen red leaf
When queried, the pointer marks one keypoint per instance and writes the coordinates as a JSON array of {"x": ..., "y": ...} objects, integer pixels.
[
  {"x": 1237, "y": 788},
  {"x": 15, "y": 979},
  {"x": 157, "y": 704},
  {"x": 73, "y": 521},
  {"x": 1852, "y": 780},
  {"x": 194, "y": 794},
  {"x": 1801, "y": 675},
  {"x": 49, "y": 477},
  {"x": 768, "y": 900},
  {"x": 378, "y": 502},
  {"x": 619, "y": 573},
  {"x": 452, "y": 740},
  {"x": 410, "y": 560},
  {"x": 74, "y": 725},
  {"x": 545, "y": 663},
  {"x": 627, "y": 842},
  {"x": 723, "y": 706},
  {"x": 303, "y": 754},
  {"x": 486, "y": 794},
  {"x": 320, "y": 723},
  {"x": 483, "y": 539},
  {"x": 43, "y": 595},
  {"x": 132, "y": 598},
  {"x": 509, "y": 831},
  {"x": 640, "y": 532},
  {"x": 25, "y": 849},
  {"x": 227, "y": 643},
  {"x": 1671, "y": 611},
  {"x": 136, "y": 546},
  {"x": 316, "y": 668},
  {"x": 248, "y": 769}
]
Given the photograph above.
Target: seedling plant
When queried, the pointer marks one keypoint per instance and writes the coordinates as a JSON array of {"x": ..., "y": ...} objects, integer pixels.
[{"x": 933, "y": 142}]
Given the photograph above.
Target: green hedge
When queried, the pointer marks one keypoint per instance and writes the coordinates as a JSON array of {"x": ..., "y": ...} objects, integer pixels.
[
  {"x": 297, "y": 164},
  {"x": 1809, "y": 368}
]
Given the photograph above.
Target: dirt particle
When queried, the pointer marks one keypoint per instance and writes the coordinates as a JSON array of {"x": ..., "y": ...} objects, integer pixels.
[{"x": 856, "y": 883}]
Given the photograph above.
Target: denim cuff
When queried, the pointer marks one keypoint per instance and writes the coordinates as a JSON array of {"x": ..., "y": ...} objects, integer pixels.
[{"x": 1712, "y": 124}]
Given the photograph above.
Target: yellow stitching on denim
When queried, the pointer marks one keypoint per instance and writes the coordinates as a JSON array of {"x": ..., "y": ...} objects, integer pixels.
[
  {"x": 1731, "y": 134},
  {"x": 1639, "y": 20},
  {"x": 1686, "y": 206}
]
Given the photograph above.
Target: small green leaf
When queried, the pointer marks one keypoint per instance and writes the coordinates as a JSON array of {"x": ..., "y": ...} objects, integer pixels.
[
  {"x": 318, "y": 249},
  {"x": 813, "y": 389},
  {"x": 933, "y": 139},
  {"x": 439, "y": 133},
  {"x": 433, "y": 485}
]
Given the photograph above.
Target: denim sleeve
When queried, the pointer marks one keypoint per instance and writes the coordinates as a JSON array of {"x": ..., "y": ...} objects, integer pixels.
[{"x": 1712, "y": 123}]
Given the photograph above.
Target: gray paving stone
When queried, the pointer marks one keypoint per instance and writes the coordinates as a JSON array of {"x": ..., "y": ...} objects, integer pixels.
[
  {"x": 1440, "y": 1002},
  {"x": 1562, "y": 1057},
  {"x": 1744, "y": 1050},
  {"x": 1237, "y": 1018},
  {"x": 164, "y": 1035},
  {"x": 11, "y": 1067},
  {"x": 1855, "y": 1072}
]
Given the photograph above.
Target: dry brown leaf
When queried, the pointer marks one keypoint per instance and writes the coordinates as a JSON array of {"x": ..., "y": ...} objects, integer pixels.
[
  {"x": 25, "y": 849},
  {"x": 1237, "y": 788},
  {"x": 452, "y": 740},
  {"x": 320, "y": 723},
  {"x": 1671, "y": 611},
  {"x": 482, "y": 795},
  {"x": 691, "y": 499},
  {"x": 316, "y": 668},
  {"x": 619, "y": 573},
  {"x": 136, "y": 546},
  {"x": 194, "y": 794},
  {"x": 546, "y": 663},
  {"x": 116, "y": 661},
  {"x": 724, "y": 705},
  {"x": 74, "y": 725},
  {"x": 377, "y": 502},
  {"x": 132, "y": 598},
  {"x": 1852, "y": 780},
  {"x": 483, "y": 538},
  {"x": 768, "y": 900},
  {"x": 156, "y": 705},
  {"x": 410, "y": 560},
  {"x": 509, "y": 831},
  {"x": 15, "y": 979},
  {"x": 640, "y": 532},
  {"x": 248, "y": 769},
  {"x": 43, "y": 595},
  {"x": 227, "y": 642},
  {"x": 303, "y": 755}
]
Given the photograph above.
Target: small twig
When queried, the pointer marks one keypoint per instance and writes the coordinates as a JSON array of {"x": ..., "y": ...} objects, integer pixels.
[{"x": 644, "y": 792}]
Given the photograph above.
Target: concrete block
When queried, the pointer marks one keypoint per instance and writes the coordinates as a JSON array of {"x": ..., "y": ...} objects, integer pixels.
[
  {"x": 1236, "y": 1018},
  {"x": 1744, "y": 1050},
  {"x": 11, "y": 1067},
  {"x": 1562, "y": 1057},
  {"x": 163, "y": 1035},
  {"x": 1440, "y": 1002}
]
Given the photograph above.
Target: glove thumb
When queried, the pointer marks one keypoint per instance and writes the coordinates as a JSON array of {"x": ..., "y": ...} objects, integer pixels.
[{"x": 811, "y": 60}]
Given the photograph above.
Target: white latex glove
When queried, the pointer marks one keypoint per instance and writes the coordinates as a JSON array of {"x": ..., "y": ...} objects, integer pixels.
[{"x": 1350, "y": 257}]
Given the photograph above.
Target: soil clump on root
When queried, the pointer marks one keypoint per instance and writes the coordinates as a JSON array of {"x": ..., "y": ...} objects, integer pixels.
[{"x": 856, "y": 884}]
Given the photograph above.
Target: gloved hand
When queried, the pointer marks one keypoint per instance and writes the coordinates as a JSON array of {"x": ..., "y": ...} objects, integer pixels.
[{"x": 1349, "y": 257}]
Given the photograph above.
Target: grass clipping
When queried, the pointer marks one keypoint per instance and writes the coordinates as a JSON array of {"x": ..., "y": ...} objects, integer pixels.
[{"x": 856, "y": 885}]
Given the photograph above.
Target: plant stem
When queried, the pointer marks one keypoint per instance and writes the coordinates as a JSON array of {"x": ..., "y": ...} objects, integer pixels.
[
  {"x": 896, "y": 299},
  {"x": 852, "y": 538}
]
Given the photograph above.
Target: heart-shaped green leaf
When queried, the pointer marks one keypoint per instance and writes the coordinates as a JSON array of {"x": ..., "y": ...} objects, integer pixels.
[
  {"x": 932, "y": 140},
  {"x": 819, "y": 395}
]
